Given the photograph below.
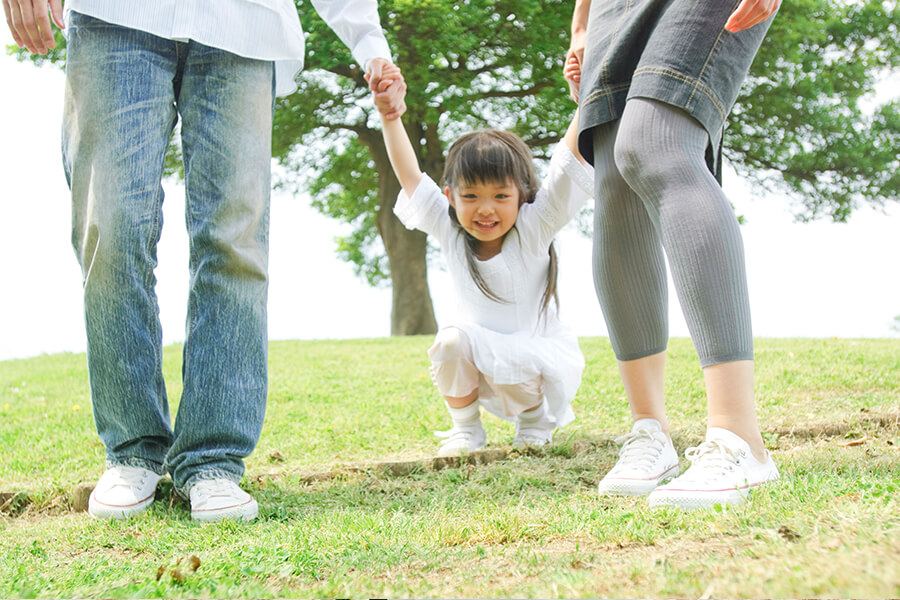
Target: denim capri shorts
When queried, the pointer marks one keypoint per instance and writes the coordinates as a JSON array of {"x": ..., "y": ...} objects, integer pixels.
[{"x": 674, "y": 51}]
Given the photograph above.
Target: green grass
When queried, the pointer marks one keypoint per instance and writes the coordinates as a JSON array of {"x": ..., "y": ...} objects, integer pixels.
[{"x": 334, "y": 523}]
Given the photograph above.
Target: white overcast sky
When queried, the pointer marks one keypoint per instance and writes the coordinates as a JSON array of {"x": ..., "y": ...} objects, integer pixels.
[{"x": 806, "y": 280}]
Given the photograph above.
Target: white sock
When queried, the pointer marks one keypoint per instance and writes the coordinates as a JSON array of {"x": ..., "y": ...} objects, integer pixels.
[{"x": 465, "y": 416}]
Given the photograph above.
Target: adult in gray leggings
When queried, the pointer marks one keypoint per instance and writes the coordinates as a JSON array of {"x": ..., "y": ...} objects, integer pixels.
[{"x": 655, "y": 80}]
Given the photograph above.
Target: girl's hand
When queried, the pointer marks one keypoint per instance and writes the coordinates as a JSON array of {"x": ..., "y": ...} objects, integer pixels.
[
  {"x": 389, "y": 92},
  {"x": 572, "y": 73},
  {"x": 750, "y": 13}
]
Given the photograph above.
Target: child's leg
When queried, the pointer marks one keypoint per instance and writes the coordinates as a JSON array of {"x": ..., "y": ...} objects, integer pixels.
[
  {"x": 453, "y": 369},
  {"x": 525, "y": 401},
  {"x": 456, "y": 377},
  {"x": 518, "y": 398}
]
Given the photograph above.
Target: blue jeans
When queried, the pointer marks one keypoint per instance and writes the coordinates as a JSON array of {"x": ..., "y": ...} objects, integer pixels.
[{"x": 125, "y": 90}]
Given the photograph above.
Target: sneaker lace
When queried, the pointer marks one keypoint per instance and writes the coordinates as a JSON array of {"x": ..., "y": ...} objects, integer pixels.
[
  {"x": 640, "y": 448},
  {"x": 129, "y": 477},
  {"x": 713, "y": 459},
  {"x": 213, "y": 488}
]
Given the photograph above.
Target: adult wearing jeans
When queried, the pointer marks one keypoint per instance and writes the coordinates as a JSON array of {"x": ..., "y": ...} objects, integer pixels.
[{"x": 133, "y": 69}]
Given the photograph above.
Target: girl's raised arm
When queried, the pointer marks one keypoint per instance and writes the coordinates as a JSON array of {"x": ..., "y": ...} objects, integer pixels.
[
  {"x": 400, "y": 151},
  {"x": 571, "y": 138}
]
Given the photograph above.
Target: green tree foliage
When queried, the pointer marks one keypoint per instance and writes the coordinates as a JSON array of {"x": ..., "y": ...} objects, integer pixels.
[
  {"x": 801, "y": 126},
  {"x": 467, "y": 65},
  {"x": 805, "y": 124}
]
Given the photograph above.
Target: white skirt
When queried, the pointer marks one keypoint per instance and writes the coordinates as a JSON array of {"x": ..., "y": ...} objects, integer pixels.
[{"x": 517, "y": 358}]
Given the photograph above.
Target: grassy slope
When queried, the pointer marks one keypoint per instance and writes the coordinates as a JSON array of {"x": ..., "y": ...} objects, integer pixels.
[{"x": 527, "y": 526}]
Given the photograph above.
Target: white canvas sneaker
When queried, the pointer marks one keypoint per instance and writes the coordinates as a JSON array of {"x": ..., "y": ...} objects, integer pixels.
[
  {"x": 122, "y": 491},
  {"x": 217, "y": 499},
  {"x": 646, "y": 459},
  {"x": 461, "y": 438},
  {"x": 722, "y": 471}
]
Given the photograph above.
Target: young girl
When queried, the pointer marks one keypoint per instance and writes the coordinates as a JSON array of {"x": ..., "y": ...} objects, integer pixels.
[{"x": 507, "y": 350}]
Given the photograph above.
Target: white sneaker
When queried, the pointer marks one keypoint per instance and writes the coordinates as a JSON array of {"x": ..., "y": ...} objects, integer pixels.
[
  {"x": 461, "y": 438},
  {"x": 122, "y": 491},
  {"x": 722, "y": 471},
  {"x": 534, "y": 433},
  {"x": 646, "y": 459},
  {"x": 217, "y": 499}
]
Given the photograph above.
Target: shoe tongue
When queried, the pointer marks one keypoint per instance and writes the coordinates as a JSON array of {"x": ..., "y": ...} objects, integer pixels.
[
  {"x": 651, "y": 424},
  {"x": 729, "y": 439}
]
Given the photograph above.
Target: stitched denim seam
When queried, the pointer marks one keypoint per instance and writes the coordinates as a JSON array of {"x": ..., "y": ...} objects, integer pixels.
[
  {"x": 709, "y": 57},
  {"x": 704, "y": 89},
  {"x": 608, "y": 91},
  {"x": 604, "y": 69}
]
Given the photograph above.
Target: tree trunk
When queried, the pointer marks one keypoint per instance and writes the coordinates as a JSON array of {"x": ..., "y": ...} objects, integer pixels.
[{"x": 412, "y": 312}]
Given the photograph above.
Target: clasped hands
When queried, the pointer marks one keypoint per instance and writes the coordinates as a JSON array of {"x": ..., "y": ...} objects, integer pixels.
[{"x": 388, "y": 89}]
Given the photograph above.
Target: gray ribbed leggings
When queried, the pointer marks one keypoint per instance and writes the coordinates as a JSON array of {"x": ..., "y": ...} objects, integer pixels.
[{"x": 655, "y": 194}]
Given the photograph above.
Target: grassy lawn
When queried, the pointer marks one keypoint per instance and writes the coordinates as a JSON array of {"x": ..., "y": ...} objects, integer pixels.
[{"x": 336, "y": 521}]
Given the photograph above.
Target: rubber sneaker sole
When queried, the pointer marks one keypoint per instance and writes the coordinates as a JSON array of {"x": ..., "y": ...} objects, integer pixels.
[
  {"x": 98, "y": 510},
  {"x": 457, "y": 450},
  {"x": 240, "y": 512},
  {"x": 627, "y": 486},
  {"x": 701, "y": 499}
]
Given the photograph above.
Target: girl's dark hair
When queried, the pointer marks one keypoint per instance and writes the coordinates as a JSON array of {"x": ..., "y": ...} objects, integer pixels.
[{"x": 493, "y": 156}]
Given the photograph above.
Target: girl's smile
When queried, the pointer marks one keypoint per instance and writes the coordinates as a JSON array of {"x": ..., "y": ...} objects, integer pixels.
[
  {"x": 487, "y": 210},
  {"x": 486, "y": 225}
]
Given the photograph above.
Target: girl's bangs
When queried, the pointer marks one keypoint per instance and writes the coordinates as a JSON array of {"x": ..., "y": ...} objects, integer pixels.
[{"x": 490, "y": 162}]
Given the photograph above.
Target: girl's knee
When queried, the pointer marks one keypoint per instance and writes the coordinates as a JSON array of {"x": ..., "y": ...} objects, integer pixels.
[{"x": 449, "y": 344}]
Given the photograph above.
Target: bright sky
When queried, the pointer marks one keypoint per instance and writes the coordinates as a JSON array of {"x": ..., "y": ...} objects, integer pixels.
[{"x": 806, "y": 280}]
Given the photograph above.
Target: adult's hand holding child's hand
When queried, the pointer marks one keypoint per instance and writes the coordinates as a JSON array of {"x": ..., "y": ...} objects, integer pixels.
[
  {"x": 389, "y": 90},
  {"x": 572, "y": 73}
]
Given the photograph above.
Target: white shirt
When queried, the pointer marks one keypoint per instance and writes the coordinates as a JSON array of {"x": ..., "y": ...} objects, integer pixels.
[
  {"x": 518, "y": 273},
  {"x": 260, "y": 29}
]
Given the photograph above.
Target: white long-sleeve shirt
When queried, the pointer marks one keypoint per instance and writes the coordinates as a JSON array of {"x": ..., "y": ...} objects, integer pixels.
[
  {"x": 260, "y": 29},
  {"x": 518, "y": 274},
  {"x": 511, "y": 342}
]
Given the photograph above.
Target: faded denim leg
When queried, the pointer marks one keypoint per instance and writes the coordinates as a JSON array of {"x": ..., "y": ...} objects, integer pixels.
[
  {"x": 123, "y": 87},
  {"x": 226, "y": 105},
  {"x": 119, "y": 114}
]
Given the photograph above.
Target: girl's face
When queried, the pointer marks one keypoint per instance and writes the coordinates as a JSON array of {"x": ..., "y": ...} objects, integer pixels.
[{"x": 487, "y": 210}]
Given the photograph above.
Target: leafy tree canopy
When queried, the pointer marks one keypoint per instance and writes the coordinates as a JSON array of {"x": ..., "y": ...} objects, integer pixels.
[{"x": 805, "y": 124}]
